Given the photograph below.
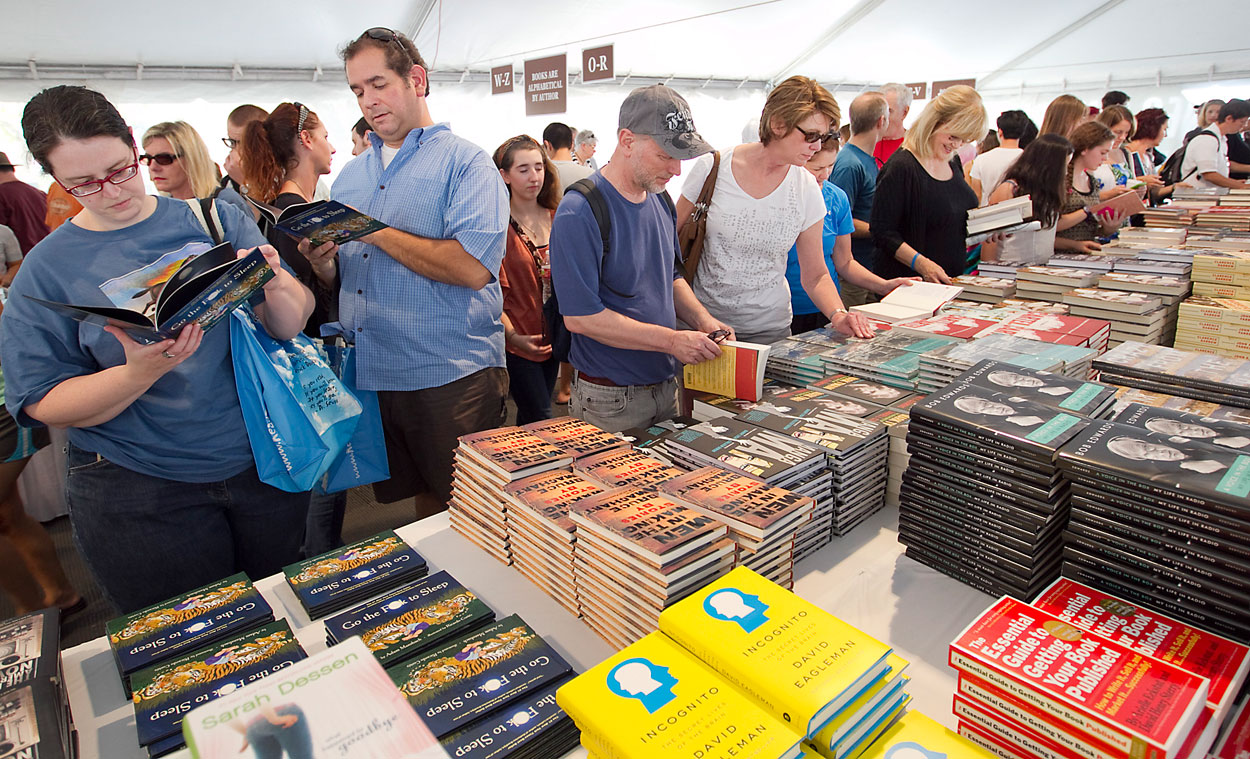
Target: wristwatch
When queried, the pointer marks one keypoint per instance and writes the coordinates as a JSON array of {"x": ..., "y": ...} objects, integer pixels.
[{"x": 837, "y": 311}]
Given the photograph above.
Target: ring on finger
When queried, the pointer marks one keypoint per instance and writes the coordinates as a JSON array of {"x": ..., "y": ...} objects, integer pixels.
[{"x": 167, "y": 354}]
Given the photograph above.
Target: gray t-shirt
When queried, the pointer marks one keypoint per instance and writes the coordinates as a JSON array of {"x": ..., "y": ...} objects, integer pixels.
[{"x": 8, "y": 241}]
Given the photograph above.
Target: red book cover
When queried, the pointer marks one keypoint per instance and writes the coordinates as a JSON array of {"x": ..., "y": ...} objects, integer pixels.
[
  {"x": 575, "y": 436},
  {"x": 1128, "y": 701},
  {"x": 1235, "y": 742},
  {"x": 1068, "y": 325},
  {"x": 551, "y": 493},
  {"x": 948, "y": 325},
  {"x": 1006, "y": 737},
  {"x": 1220, "y": 660},
  {"x": 646, "y": 521}
]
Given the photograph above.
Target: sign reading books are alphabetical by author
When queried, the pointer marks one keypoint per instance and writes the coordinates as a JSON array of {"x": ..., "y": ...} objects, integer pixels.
[
  {"x": 597, "y": 64},
  {"x": 546, "y": 83},
  {"x": 501, "y": 80}
]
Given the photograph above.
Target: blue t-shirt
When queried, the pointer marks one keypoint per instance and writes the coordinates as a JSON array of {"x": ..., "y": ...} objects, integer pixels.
[
  {"x": 188, "y": 425},
  {"x": 856, "y": 173},
  {"x": 637, "y": 279},
  {"x": 837, "y": 222}
]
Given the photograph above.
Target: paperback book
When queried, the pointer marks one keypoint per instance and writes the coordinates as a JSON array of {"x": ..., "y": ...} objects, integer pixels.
[
  {"x": 577, "y": 437},
  {"x": 321, "y": 221},
  {"x": 534, "y": 727},
  {"x": 737, "y": 372}
]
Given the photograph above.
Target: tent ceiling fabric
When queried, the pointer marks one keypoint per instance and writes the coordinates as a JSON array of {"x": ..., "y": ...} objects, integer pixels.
[{"x": 850, "y": 41}]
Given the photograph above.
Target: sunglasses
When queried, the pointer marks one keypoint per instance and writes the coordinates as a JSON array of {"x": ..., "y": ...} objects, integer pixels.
[
  {"x": 124, "y": 174},
  {"x": 382, "y": 34},
  {"x": 164, "y": 159},
  {"x": 816, "y": 136}
]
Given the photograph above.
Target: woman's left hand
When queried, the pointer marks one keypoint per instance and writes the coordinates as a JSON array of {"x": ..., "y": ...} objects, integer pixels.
[
  {"x": 891, "y": 284},
  {"x": 855, "y": 325}
]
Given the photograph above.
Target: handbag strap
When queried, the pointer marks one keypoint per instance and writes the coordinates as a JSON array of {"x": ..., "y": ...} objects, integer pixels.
[
  {"x": 205, "y": 211},
  {"x": 704, "y": 200}
]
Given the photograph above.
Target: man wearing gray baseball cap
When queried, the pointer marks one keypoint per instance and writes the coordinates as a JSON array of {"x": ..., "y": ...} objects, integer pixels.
[{"x": 622, "y": 303}]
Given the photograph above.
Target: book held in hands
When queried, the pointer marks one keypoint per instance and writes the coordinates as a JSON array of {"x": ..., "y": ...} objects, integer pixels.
[{"x": 320, "y": 221}]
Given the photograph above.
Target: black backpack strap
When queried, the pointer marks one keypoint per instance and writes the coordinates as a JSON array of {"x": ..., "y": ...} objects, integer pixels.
[
  {"x": 667, "y": 200},
  {"x": 599, "y": 207}
]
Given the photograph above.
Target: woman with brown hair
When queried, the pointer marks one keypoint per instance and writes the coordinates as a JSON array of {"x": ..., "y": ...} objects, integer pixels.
[
  {"x": 525, "y": 277},
  {"x": 1064, "y": 114},
  {"x": 763, "y": 202},
  {"x": 1091, "y": 142},
  {"x": 1116, "y": 175}
]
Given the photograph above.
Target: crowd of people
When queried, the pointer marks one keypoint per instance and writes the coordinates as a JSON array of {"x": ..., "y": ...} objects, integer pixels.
[{"x": 495, "y": 270}]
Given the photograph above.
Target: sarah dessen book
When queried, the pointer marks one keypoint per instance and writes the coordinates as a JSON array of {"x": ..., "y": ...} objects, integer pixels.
[
  {"x": 195, "y": 283},
  {"x": 339, "y": 703}
]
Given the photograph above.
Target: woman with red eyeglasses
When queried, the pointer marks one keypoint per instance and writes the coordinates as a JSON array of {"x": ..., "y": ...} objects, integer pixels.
[{"x": 162, "y": 491}]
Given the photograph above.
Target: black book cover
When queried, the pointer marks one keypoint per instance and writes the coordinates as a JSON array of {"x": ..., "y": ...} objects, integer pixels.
[
  {"x": 960, "y": 574},
  {"x": 354, "y": 571},
  {"x": 1001, "y": 566},
  {"x": 1029, "y": 427},
  {"x": 30, "y": 648},
  {"x": 1135, "y": 517},
  {"x": 935, "y": 525},
  {"x": 987, "y": 461},
  {"x": 1185, "y": 427},
  {"x": 1042, "y": 475},
  {"x": 813, "y": 422},
  {"x": 32, "y": 722},
  {"x": 986, "y": 477},
  {"x": 1045, "y": 388},
  {"x": 952, "y": 483},
  {"x": 1234, "y": 529},
  {"x": 535, "y": 727},
  {"x": 984, "y": 532},
  {"x": 919, "y": 496},
  {"x": 747, "y": 448},
  {"x": 1204, "y": 474}
]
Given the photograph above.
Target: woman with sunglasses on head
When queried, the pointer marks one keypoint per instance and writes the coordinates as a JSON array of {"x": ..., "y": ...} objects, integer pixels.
[
  {"x": 763, "y": 202},
  {"x": 525, "y": 277},
  {"x": 162, "y": 490},
  {"x": 179, "y": 165},
  {"x": 920, "y": 211}
]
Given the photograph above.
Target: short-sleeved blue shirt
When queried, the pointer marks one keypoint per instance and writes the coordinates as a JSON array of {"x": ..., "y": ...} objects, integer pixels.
[
  {"x": 412, "y": 332},
  {"x": 637, "y": 278},
  {"x": 856, "y": 173},
  {"x": 837, "y": 222},
  {"x": 188, "y": 426}
]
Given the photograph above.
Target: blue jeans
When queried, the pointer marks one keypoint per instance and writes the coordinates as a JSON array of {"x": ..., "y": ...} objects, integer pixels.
[
  {"x": 324, "y": 531},
  {"x": 531, "y": 384},
  {"x": 269, "y": 741},
  {"x": 147, "y": 539}
]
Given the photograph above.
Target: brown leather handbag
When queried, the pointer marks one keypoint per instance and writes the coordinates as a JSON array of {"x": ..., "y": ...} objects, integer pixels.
[{"x": 690, "y": 236}]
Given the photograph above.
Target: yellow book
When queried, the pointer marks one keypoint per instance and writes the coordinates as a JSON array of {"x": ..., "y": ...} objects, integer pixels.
[
  {"x": 833, "y": 731},
  {"x": 925, "y": 738},
  {"x": 803, "y": 664},
  {"x": 655, "y": 700},
  {"x": 738, "y": 372},
  {"x": 863, "y": 734},
  {"x": 858, "y": 750}
]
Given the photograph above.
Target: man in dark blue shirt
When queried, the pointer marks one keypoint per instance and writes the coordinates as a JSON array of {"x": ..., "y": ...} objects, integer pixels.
[
  {"x": 855, "y": 172},
  {"x": 623, "y": 309}
]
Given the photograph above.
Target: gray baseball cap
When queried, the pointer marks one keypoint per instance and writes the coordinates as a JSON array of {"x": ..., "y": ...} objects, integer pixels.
[{"x": 660, "y": 113}]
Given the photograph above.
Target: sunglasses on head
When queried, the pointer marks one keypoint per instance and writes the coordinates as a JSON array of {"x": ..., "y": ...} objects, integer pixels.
[
  {"x": 164, "y": 159},
  {"x": 816, "y": 135}
]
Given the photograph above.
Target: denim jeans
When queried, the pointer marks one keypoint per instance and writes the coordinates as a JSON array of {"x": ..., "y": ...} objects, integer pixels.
[
  {"x": 147, "y": 538},
  {"x": 270, "y": 741},
  {"x": 324, "y": 530},
  {"x": 616, "y": 409},
  {"x": 531, "y": 384}
]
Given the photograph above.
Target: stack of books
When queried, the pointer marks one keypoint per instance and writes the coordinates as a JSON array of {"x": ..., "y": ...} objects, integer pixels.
[
  {"x": 339, "y": 701},
  {"x": 875, "y": 361},
  {"x": 653, "y": 439},
  {"x": 626, "y": 466},
  {"x": 1049, "y": 283},
  {"x": 1170, "y": 290},
  {"x": 618, "y": 703},
  {"x": 1077, "y": 331},
  {"x": 1232, "y": 217},
  {"x": 1099, "y": 264},
  {"x": 577, "y": 437},
  {"x": 1126, "y": 396},
  {"x": 540, "y": 532},
  {"x": 1168, "y": 217},
  {"x": 795, "y": 361},
  {"x": 1095, "y": 400},
  {"x": 1132, "y": 316},
  {"x": 999, "y": 270},
  {"x": 856, "y": 452},
  {"x": 639, "y": 551},
  {"x": 985, "y": 289},
  {"x": 938, "y": 368},
  {"x": 484, "y": 463},
  {"x": 835, "y": 708},
  {"x": 1214, "y": 325},
  {"x": 1222, "y": 274},
  {"x": 1178, "y": 372},
  {"x": 160, "y": 692},
  {"x": 1146, "y": 237},
  {"x": 470, "y": 680},
  {"x": 915, "y": 729},
  {"x": 406, "y": 621},
  {"x": 346, "y": 576},
  {"x": 1234, "y": 743},
  {"x": 35, "y": 719},
  {"x": 954, "y": 326},
  {"x": 1164, "y": 263},
  {"x": 1005, "y": 217},
  {"x": 763, "y": 521},
  {"x": 184, "y": 623},
  {"x": 1160, "y": 519},
  {"x": 982, "y": 499},
  {"x": 1045, "y": 687},
  {"x": 1222, "y": 661}
]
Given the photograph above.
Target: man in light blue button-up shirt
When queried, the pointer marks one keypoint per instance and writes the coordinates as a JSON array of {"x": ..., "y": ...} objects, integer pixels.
[{"x": 422, "y": 298}]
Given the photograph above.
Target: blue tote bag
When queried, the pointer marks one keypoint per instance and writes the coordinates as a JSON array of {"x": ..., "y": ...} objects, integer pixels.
[
  {"x": 363, "y": 460},
  {"x": 299, "y": 414}
]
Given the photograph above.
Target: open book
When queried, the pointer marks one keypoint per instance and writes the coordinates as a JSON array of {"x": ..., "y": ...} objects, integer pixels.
[
  {"x": 202, "y": 288},
  {"x": 914, "y": 301},
  {"x": 321, "y": 221},
  {"x": 738, "y": 372},
  {"x": 1128, "y": 203}
]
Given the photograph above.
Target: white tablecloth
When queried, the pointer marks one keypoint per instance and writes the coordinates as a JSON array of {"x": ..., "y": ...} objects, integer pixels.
[{"x": 862, "y": 578}]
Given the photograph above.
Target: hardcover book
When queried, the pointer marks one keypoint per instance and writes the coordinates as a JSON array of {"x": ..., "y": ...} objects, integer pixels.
[
  {"x": 1130, "y": 703},
  {"x": 625, "y": 466},
  {"x": 722, "y": 624},
  {"x": 917, "y": 733},
  {"x": 346, "y": 575},
  {"x": 655, "y": 699},
  {"x": 478, "y": 674},
  {"x": 188, "y": 285},
  {"x": 321, "y": 221},
  {"x": 549, "y": 495},
  {"x": 337, "y": 703},
  {"x": 30, "y": 648},
  {"x": 1184, "y": 426},
  {"x": 746, "y": 449},
  {"x": 747, "y": 505},
  {"x": 1044, "y": 388},
  {"x": 33, "y": 723},
  {"x": 513, "y": 452},
  {"x": 577, "y": 437},
  {"x": 648, "y": 523},
  {"x": 411, "y": 619}
]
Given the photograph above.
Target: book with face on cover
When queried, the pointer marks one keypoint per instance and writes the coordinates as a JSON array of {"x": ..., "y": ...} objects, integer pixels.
[
  {"x": 656, "y": 699},
  {"x": 724, "y": 623},
  {"x": 1046, "y": 388},
  {"x": 917, "y": 301},
  {"x": 1184, "y": 426},
  {"x": 338, "y": 703}
]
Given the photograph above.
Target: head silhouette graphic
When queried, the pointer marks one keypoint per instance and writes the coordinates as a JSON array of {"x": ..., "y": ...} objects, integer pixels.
[
  {"x": 639, "y": 679},
  {"x": 732, "y": 605},
  {"x": 912, "y": 750}
]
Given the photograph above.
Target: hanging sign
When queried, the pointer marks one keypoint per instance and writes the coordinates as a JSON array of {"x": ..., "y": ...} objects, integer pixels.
[
  {"x": 918, "y": 90},
  {"x": 938, "y": 87},
  {"x": 545, "y": 85},
  {"x": 501, "y": 80},
  {"x": 597, "y": 64}
]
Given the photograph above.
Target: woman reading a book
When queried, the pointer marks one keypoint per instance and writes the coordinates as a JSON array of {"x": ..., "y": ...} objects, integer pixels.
[
  {"x": 763, "y": 202},
  {"x": 163, "y": 494},
  {"x": 920, "y": 212},
  {"x": 282, "y": 157},
  {"x": 1150, "y": 127},
  {"x": 1116, "y": 175},
  {"x": 525, "y": 277},
  {"x": 1091, "y": 142}
]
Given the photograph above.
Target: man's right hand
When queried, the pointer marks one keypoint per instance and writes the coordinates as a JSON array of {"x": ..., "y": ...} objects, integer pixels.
[{"x": 692, "y": 347}]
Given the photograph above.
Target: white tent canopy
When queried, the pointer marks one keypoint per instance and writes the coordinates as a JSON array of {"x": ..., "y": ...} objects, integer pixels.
[{"x": 196, "y": 61}]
